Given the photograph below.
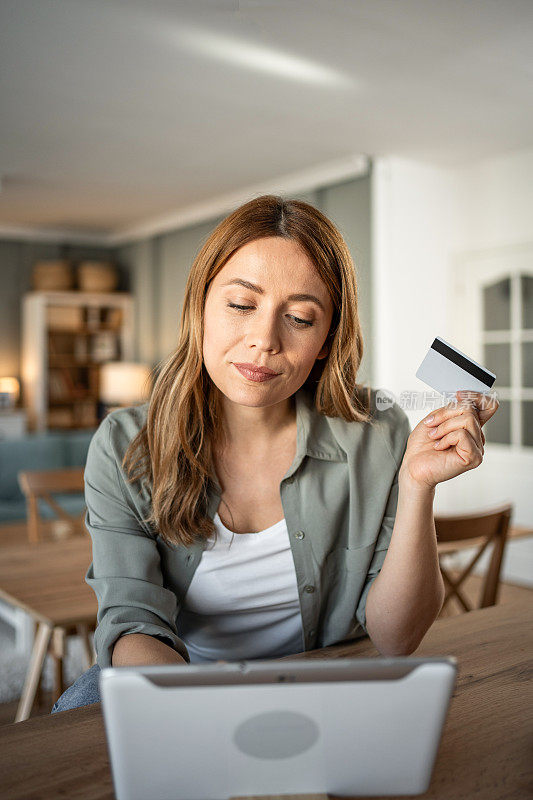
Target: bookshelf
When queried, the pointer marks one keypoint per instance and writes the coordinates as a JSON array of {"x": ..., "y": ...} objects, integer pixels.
[{"x": 66, "y": 337}]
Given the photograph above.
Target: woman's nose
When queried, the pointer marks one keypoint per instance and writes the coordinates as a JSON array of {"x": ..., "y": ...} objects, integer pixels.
[{"x": 263, "y": 333}]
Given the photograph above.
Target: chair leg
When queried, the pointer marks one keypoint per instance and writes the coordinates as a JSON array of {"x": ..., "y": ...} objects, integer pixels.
[
  {"x": 33, "y": 519},
  {"x": 58, "y": 654},
  {"x": 35, "y": 668},
  {"x": 492, "y": 580},
  {"x": 39, "y": 689},
  {"x": 88, "y": 650}
]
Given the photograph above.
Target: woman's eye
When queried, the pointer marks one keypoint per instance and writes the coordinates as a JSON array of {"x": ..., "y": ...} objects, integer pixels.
[{"x": 297, "y": 321}]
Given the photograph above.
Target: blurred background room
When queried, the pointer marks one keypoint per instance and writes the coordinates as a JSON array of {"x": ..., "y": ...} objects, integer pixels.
[{"x": 130, "y": 128}]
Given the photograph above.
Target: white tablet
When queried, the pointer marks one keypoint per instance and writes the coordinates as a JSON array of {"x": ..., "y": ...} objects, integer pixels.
[{"x": 345, "y": 727}]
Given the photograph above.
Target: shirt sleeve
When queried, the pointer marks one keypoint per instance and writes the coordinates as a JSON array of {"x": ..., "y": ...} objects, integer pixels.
[
  {"x": 125, "y": 573},
  {"x": 385, "y": 532}
]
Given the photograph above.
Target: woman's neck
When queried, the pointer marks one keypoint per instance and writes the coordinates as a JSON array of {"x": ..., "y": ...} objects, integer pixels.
[{"x": 257, "y": 428}]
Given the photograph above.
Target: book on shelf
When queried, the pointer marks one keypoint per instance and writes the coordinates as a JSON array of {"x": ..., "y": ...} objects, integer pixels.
[
  {"x": 60, "y": 417},
  {"x": 113, "y": 317},
  {"x": 81, "y": 351},
  {"x": 104, "y": 346},
  {"x": 60, "y": 384}
]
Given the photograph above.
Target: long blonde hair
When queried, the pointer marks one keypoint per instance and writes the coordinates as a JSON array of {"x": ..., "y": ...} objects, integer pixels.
[{"x": 174, "y": 449}]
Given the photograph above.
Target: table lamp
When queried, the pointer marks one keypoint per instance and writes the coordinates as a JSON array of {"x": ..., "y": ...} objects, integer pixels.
[
  {"x": 9, "y": 392},
  {"x": 124, "y": 383}
]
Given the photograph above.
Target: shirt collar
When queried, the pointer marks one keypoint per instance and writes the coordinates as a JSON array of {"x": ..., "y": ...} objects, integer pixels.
[{"x": 315, "y": 437}]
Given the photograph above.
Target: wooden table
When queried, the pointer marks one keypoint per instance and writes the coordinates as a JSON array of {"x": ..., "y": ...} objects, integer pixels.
[
  {"x": 485, "y": 751},
  {"x": 47, "y": 580}
]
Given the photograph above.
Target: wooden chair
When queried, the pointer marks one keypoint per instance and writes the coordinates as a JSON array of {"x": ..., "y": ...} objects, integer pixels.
[
  {"x": 42, "y": 486},
  {"x": 480, "y": 529}
]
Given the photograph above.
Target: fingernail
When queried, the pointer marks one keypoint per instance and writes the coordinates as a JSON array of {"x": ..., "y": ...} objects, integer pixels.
[{"x": 429, "y": 419}]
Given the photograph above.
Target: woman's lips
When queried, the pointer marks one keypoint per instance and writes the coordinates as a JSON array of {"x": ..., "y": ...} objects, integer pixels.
[{"x": 255, "y": 375}]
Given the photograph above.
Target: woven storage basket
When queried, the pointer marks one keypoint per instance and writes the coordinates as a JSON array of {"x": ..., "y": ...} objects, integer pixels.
[
  {"x": 52, "y": 276},
  {"x": 97, "y": 276}
]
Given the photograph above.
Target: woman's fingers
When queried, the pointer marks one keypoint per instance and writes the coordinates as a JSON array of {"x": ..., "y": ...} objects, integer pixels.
[
  {"x": 465, "y": 446},
  {"x": 485, "y": 404},
  {"x": 459, "y": 417}
]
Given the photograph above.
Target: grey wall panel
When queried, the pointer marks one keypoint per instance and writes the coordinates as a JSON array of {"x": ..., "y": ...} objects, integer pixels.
[
  {"x": 176, "y": 253},
  {"x": 307, "y": 197},
  {"x": 14, "y": 281},
  {"x": 348, "y": 206},
  {"x": 139, "y": 260}
]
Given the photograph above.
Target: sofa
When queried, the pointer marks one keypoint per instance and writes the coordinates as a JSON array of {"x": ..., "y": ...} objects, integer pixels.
[{"x": 52, "y": 450}]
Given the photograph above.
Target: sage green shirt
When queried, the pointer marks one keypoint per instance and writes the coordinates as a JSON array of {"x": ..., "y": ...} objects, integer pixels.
[{"x": 339, "y": 498}]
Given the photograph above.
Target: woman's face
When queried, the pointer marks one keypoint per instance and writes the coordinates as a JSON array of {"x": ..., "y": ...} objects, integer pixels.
[{"x": 275, "y": 329}]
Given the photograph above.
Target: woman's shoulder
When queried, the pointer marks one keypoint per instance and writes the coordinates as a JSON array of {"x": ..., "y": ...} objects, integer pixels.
[
  {"x": 122, "y": 425},
  {"x": 390, "y": 421},
  {"x": 105, "y": 470},
  {"x": 131, "y": 418},
  {"x": 387, "y": 423}
]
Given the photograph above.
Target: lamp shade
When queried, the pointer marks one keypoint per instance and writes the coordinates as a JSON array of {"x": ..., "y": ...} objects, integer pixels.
[
  {"x": 124, "y": 382},
  {"x": 9, "y": 392}
]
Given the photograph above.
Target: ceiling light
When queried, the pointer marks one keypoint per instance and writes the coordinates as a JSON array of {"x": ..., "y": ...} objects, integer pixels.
[{"x": 260, "y": 58}]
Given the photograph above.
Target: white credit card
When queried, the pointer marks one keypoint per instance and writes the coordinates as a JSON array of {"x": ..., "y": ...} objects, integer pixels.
[{"x": 447, "y": 370}]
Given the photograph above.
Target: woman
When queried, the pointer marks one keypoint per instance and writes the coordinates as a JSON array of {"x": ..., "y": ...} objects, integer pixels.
[{"x": 261, "y": 504}]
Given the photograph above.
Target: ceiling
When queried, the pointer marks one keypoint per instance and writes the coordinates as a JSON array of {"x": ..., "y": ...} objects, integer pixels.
[{"x": 118, "y": 112}]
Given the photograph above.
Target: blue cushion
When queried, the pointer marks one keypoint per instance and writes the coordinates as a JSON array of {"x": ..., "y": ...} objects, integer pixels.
[
  {"x": 33, "y": 452},
  {"x": 77, "y": 445},
  {"x": 12, "y": 510},
  {"x": 52, "y": 450}
]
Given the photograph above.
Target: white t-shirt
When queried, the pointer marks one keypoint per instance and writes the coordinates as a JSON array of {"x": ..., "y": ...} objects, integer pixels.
[{"x": 242, "y": 602}]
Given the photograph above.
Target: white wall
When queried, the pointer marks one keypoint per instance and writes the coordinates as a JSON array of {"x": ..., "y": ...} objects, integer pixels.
[
  {"x": 414, "y": 227},
  {"x": 497, "y": 196},
  {"x": 424, "y": 219}
]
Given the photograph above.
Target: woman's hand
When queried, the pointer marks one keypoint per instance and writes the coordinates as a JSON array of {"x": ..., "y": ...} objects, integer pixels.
[{"x": 448, "y": 441}]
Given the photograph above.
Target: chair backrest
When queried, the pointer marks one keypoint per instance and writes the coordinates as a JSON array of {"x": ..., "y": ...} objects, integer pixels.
[
  {"x": 41, "y": 485},
  {"x": 479, "y": 529}
]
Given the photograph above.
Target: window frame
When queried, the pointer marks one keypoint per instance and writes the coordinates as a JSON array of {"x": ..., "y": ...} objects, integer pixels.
[{"x": 473, "y": 273}]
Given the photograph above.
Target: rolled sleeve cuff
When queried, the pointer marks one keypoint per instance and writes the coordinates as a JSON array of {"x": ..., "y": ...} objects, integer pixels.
[{"x": 109, "y": 631}]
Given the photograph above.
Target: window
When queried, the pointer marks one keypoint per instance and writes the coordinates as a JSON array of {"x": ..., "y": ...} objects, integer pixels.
[{"x": 507, "y": 339}]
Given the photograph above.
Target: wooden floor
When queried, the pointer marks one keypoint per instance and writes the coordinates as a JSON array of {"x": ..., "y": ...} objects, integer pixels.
[{"x": 472, "y": 588}]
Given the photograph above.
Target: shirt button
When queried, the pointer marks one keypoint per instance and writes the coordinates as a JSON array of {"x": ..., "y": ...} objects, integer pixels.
[
  {"x": 299, "y": 535},
  {"x": 309, "y": 589},
  {"x": 312, "y": 632}
]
